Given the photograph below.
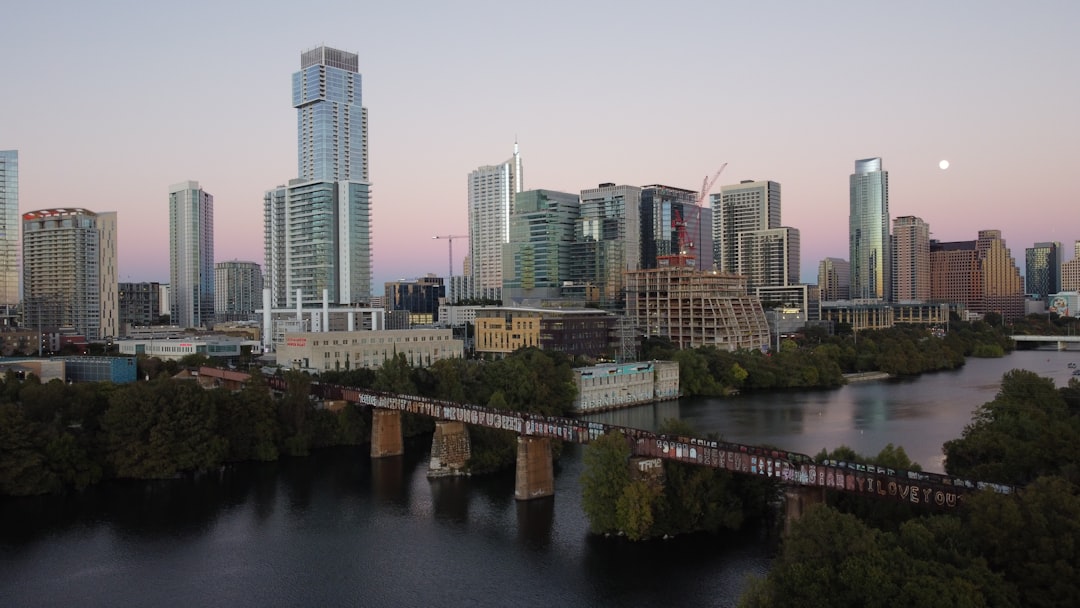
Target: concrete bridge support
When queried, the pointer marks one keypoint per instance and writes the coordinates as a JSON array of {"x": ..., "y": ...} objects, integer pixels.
[
  {"x": 535, "y": 474},
  {"x": 797, "y": 500},
  {"x": 450, "y": 449},
  {"x": 386, "y": 433}
]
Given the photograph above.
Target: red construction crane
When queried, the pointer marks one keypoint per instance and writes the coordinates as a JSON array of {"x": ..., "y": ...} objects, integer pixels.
[
  {"x": 450, "y": 238},
  {"x": 708, "y": 184}
]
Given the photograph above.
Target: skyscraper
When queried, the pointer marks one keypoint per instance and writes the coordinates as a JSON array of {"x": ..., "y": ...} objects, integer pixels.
[
  {"x": 492, "y": 189},
  {"x": 1070, "y": 271},
  {"x": 607, "y": 243},
  {"x": 868, "y": 232},
  {"x": 331, "y": 122},
  {"x": 536, "y": 261},
  {"x": 748, "y": 205},
  {"x": 911, "y": 259},
  {"x": 191, "y": 255},
  {"x": 834, "y": 279},
  {"x": 69, "y": 271},
  {"x": 9, "y": 229},
  {"x": 317, "y": 229},
  {"x": 1043, "y": 267},
  {"x": 769, "y": 258},
  {"x": 673, "y": 223},
  {"x": 237, "y": 290}
]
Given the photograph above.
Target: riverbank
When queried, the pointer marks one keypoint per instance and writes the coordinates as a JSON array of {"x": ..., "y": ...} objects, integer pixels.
[{"x": 866, "y": 376}]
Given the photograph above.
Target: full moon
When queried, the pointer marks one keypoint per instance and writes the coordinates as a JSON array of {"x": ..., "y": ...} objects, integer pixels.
[{"x": 943, "y": 164}]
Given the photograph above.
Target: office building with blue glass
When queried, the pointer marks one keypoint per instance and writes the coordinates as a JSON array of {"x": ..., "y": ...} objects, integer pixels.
[{"x": 317, "y": 232}]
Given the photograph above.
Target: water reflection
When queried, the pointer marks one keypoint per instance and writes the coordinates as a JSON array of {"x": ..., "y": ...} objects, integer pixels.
[{"x": 535, "y": 519}]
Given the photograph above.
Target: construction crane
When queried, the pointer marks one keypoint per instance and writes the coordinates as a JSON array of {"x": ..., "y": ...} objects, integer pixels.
[
  {"x": 450, "y": 239},
  {"x": 708, "y": 184}
]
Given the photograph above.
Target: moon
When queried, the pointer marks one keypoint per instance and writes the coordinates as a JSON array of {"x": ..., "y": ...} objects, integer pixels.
[{"x": 943, "y": 165}]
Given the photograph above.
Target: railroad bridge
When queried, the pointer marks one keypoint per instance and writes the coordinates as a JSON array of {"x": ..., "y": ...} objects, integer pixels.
[{"x": 804, "y": 479}]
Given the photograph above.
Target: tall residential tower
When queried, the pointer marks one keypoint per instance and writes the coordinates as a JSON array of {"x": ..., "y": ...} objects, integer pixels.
[
  {"x": 868, "y": 232},
  {"x": 492, "y": 189},
  {"x": 191, "y": 255},
  {"x": 69, "y": 271},
  {"x": 317, "y": 232},
  {"x": 9, "y": 231}
]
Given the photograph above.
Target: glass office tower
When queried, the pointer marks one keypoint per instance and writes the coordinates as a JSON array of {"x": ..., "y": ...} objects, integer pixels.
[
  {"x": 9, "y": 229},
  {"x": 317, "y": 230},
  {"x": 191, "y": 255},
  {"x": 868, "y": 232}
]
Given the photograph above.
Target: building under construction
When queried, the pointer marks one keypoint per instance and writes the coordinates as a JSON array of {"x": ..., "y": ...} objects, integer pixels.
[{"x": 696, "y": 308}]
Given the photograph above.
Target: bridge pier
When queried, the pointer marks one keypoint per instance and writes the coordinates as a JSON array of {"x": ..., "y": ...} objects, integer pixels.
[
  {"x": 386, "y": 433},
  {"x": 450, "y": 449},
  {"x": 1062, "y": 345},
  {"x": 535, "y": 476},
  {"x": 797, "y": 500}
]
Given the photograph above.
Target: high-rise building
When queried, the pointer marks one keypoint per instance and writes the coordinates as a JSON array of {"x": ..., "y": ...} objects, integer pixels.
[
  {"x": 911, "y": 259},
  {"x": 537, "y": 260},
  {"x": 492, "y": 189},
  {"x": 1043, "y": 268},
  {"x": 1070, "y": 271},
  {"x": 69, "y": 271},
  {"x": 768, "y": 258},
  {"x": 607, "y": 244},
  {"x": 834, "y": 279},
  {"x": 9, "y": 231},
  {"x": 980, "y": 275},
  {"x": 418, "y": 299},
  {"x": 317, "y": 229},
  {"x": 138, "y": 305},
  {"x": 237, "y": 291},
  {"x": 672, "y": 223},
  {"x": 1003, "y": 287},
  {"x": 191, "y": 255},
  {"x": 743, "y": 207},
  {"x": 331, "y": 122},
  {"x": 868, "y": 232}
]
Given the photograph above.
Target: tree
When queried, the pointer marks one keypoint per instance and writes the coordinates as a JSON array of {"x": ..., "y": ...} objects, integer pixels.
[
  {"x": 603, "y": 481},
  {"x": 1026, "y": 431}
]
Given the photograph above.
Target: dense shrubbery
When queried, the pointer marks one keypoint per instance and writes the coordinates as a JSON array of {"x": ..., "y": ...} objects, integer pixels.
[
  {"x": 691, "y": 498},
  {"x": 819, "y": 360},
  {"x": 55, "y": 436},
  {"x": 1021, "y": 549}
]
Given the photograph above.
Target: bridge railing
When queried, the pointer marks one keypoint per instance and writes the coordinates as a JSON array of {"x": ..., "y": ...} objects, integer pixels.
[{"x": 916, "y": 487}]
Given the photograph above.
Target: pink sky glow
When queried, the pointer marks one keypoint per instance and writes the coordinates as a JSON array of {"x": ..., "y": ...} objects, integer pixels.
[{"x": 110, "y": 103}]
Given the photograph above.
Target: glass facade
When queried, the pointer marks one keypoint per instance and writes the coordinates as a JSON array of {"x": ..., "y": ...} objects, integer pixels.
[
  {"x": 9, "y": 228},
  {"x": 317, "y": 230},
  {"x": 868, "y": 232},
  {"x": 1043, "y": 264},
  {"x": 491, "y": 203},
  {"x": 608, "y": 243},
  {"x": 191, "y": 255},
  {"x": 536, "y": 261},
  {"x": 670, "y": 216},
  {"x": 331, "y": 121}
]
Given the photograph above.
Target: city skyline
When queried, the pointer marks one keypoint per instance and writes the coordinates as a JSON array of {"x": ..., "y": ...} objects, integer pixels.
[{"x": 795, "y": 102}]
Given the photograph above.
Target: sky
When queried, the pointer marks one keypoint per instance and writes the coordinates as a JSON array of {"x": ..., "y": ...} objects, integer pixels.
[{"x": 110, "y": 102}]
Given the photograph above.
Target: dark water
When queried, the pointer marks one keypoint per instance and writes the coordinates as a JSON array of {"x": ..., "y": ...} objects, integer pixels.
[{"x": 337, "y": 529}]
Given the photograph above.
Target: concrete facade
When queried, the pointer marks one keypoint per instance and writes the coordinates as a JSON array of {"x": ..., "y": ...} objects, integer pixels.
[
  {"x": 342, "y": 350},
  {"x": 610, "y": 386}
]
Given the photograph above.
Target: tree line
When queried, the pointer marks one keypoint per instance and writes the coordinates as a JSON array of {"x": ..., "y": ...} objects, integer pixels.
[
  {"x": 56, "y": 436},
  {"x": 817, "y": 359}
]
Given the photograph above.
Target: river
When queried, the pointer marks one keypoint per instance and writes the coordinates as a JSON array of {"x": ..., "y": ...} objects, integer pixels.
[{"x": 338, "y": 529}]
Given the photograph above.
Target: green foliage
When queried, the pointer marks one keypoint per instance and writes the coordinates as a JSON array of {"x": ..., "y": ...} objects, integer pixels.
[
  {"x": 1026, "y": 431},
  {"x": 603, "y": 481},
  {"x": 988, "y": 351},
  {"x": 1033, "y": 538},
  {"x": 23, "y": 467},
  {"x": 831, "y": 558},
  {"x": 160, "y": 429}
]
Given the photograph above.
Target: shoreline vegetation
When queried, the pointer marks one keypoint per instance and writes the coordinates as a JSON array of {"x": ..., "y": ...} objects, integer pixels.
[{"x": 56, "y": 437}]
